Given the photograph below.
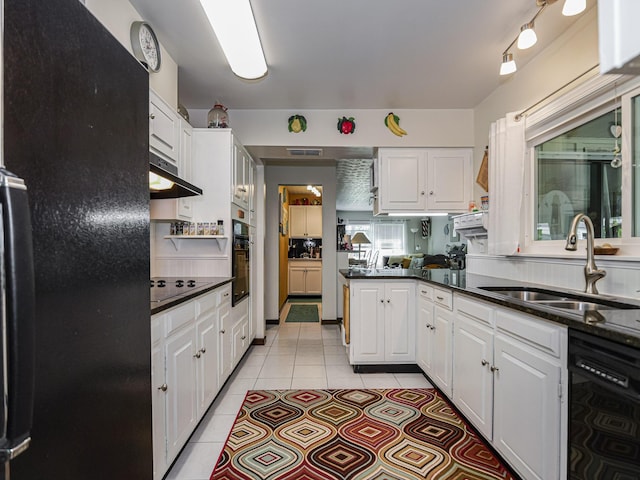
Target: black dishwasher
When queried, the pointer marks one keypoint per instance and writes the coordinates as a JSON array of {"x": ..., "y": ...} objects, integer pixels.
[{"x": 604, "y": 409}]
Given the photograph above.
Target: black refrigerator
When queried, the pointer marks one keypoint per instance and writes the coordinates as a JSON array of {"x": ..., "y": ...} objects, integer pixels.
[{"x": 76, "y": 130}]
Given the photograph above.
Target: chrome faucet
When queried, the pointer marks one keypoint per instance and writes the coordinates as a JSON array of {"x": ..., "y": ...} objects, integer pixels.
[{"x": 591, "y": 273}]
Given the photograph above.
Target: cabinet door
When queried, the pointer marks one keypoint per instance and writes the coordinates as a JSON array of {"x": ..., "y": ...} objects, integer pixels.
[
  {"x": 449, "y": 179},
  {"x": 225, "y": 343},
  {"x": 253, "y": 192},
  {"x": 181, "y": 392},
  {"x": 163, "y": 129},
  {"x": 240, "y": 173},
  {"x": 402, "y": 179},
  {"x": 207, "y": 362},
  {"x": 240, "y": 333},
  {"x": 367, "y": 323},
  {"x": 400, "y": 344},
  {"x": 527, "y": 399},
  {"x": 158, "y": 412},
  {"x": 424, "y": 326},
  {"x": 314, "y": 221},
  {"x": 313, "y": 281},
  {"x": 297, "y": 221},
  {"x": 473, "y": 358},
  {"x": 442, "y": 349},
  {"x": 297, "y": 280},
  {"x": 185, "y": 204}
]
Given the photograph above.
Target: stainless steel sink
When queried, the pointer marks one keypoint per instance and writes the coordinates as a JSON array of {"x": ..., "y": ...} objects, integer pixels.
[{"x": 565, "y": 301}]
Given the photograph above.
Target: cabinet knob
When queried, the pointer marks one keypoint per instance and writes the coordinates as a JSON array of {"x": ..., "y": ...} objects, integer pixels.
[
  {"x": 432, "y": 327},
  {"x": 222, "y": 332},
  {"x": 382, "y": 301},
  {"x": 388, "y": 301},
  {"x": 431, "y": 192},
  {"x": 226, "y": 294},
  {"x": 163, "y": 387},
  {"x": 494, "y": 368},
  {"x": 243, "y": 337},
  {"x": 484, "y": 362},
  {"x": 422, "y": 192},
  {"x": 198, "y": 354},
  {"x": 152, "y": 116},
  {"x": 203, "y": 350}
]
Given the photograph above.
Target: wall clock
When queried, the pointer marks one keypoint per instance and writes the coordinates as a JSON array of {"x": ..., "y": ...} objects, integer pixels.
[{"x": 145, "y": 45}]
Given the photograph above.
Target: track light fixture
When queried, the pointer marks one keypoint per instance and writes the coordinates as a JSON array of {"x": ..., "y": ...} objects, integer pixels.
[{"x": 527, "y": 36}]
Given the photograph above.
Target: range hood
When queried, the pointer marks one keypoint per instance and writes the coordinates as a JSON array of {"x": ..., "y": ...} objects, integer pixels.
[
  {"x": 472, "y": 225},
  {"x": 179, "y": 188}
]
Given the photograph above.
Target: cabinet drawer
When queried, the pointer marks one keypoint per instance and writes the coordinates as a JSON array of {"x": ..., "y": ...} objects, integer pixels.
[
  {"x": 443, "y": 298},
  {"x": 425, "y": 291},
  {"x": 208, "y": 302},
  {"x": 180, "y": 316},
  {"x": 534, "y": 331},
  {"x": 157, "y": 322},
  {"x": 225, "y": 294},
  {"x": 475, "y": 309}
]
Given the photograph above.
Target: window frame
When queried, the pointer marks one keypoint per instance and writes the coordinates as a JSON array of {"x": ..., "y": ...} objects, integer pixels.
[{"x": 583, "y": 104}]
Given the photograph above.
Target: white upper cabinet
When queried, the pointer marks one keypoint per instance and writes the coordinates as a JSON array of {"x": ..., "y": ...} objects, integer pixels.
[
  {"x": 423, "y": 180},
  {"x": 305, "y": 221},
  {"x": 164, "y": 129},
  {"x": 618, "y": 36}
]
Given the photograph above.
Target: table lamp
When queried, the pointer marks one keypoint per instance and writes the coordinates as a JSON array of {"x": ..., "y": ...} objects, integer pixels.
[{"x": 359, "y": 238}]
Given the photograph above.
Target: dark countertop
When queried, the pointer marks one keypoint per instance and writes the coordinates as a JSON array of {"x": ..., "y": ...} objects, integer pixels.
[
  {"x": 619, "y": 325},
  {"x": 205, "y": 284}
]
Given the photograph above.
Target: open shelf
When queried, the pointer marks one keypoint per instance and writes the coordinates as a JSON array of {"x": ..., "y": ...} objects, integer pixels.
[{"x": 221, "y": 240}]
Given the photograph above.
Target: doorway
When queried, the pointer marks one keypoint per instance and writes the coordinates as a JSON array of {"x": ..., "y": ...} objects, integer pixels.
[{"x": 300, "y": 247}]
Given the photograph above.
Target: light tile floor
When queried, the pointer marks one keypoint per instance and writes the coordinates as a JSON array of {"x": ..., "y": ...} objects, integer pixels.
[{"x": 296, "y": 355}]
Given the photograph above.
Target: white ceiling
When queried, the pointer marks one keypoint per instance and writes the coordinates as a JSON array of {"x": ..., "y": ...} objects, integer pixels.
[{"x": 353, "y": 54}]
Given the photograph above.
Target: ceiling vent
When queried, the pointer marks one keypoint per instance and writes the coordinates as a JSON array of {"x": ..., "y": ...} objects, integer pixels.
[{"x": 305, "y": 152}]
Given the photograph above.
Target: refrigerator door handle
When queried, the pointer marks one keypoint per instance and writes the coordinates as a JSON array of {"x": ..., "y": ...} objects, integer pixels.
[{"x": 18, "y": 317}]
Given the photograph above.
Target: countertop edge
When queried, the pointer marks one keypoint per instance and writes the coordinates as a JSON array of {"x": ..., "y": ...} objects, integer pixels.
[{"x": 175, "y": 301}]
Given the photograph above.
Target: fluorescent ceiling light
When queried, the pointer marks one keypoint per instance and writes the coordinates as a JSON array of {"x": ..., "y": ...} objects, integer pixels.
[
  {"x": 573, "y": 7},
  {"x": 508, "y": 64},
  {"x": 527, "y": 37},
  {"x": 235, "y": 28}
]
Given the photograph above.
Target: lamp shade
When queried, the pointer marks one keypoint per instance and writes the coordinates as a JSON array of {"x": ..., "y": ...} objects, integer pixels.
[
  {"x": 573, "y": 7},
  {"x": 527, "y": 37},
  {"x": 508, "y": 64},
  {"x": 360, "y": 238}
]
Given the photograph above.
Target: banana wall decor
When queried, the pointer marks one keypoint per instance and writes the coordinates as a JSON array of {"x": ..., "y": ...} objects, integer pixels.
[{"x": 392, "y": 122}]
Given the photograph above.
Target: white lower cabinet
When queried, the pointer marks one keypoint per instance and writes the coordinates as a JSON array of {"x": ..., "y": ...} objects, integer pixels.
[
  {"x": 508, "y": 381},
  {"x": 434, "y": 335},
  {"x": 382, "y": 322},
  {"x": 305, "y": 277},
  {"x": 184, "y": 370}
]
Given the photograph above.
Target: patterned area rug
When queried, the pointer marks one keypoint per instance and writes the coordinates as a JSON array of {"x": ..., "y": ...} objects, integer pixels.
[
  {"x": 393, "y": 434},
  {"x": 303, "y": 313}
]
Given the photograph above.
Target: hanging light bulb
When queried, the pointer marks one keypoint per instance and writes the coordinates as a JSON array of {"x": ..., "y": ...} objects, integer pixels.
[
  {"x": 527, "y": 37},
  {"x": 508, "y": 64},
  {"x": 573, "y": 7}
]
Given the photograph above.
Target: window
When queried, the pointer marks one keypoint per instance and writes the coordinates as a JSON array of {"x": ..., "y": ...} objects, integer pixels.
[
  {"x": 580, "y": 171},
  {"x": 584, "y": 157},
  {"x": 387, "y": 238}
]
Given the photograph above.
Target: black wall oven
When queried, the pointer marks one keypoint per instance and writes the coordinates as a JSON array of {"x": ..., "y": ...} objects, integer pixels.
[
  {"x": 240, "y": 262},
  {"x": 604, "y": 409}
]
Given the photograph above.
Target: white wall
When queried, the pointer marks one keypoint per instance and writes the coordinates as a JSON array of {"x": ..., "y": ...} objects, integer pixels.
[
  {"x": 117, "y": 16},
  {"x": 426, "y": 128},
  {"x": 325, "y": 176}
]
